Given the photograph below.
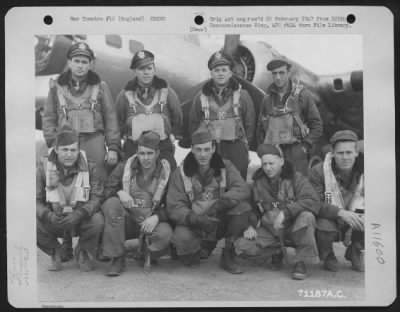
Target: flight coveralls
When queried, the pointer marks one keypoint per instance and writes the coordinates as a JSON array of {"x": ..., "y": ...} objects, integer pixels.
[
  {"x": 293, "y": 123},
  {"x": 329, "y": 227},
  {"x": 122, "y": 223},
  {"x": 204, "y": 192},
  {"x": 88, "y": 109},
  {"x": 231, "y": 116},
  {"x": 291, "y": 193},
  {"x": 156, "y": 108},
  {"x": 75, "y": 191}
]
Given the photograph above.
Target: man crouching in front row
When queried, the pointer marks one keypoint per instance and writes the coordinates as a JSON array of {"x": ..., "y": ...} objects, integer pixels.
[
  {"x": 286, "y": 206},
  {"x": 135, "y": 193},
  {"x": 68, "y": 196},
  {"x": 206, "y": 201}
]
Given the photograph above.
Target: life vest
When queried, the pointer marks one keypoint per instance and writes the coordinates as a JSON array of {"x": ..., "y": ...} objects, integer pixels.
[
  {"x": 149, "y": 117},
  {"x": 145, "y": 200},
  {"x": 279, "y": 123},
  {"x": 67, "y": 196},
  {"x": 225, "y": 120},
  {"x": 201, "y": 197},
  {"x": 333, "y": 195},
  {"x": 77, "y": 111}
]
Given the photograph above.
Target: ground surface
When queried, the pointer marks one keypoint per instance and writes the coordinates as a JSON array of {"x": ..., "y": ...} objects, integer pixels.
[{"x": 170, "y": 281}]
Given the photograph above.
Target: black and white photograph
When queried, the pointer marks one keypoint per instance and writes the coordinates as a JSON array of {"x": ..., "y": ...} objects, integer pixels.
[{"x": 200, "y": 169}]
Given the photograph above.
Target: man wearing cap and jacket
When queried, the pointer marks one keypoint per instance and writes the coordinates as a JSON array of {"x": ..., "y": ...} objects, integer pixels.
[
  {"x": 339, "y": 183},
  {"x": 289, "y": 116},
  {"x": 286, "y": 206},
  {"x": 68, "y": 196},
  {"x": 147, "y": 103},
  {"x": 80, "y": 99},
  {"x": 135, "y": 200},
  {"x": 207, "y": 200},
  {"x": 224, "y": 107}
]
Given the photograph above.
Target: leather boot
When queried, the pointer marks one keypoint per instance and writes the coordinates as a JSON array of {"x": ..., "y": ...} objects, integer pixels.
[
  {"x": 117, "y": 266},
  {"x": 55, "y": 262},
  {"x": 84, "y": 261},
  {"x": 192, "y": 260},
  {"x": 67, "y": 252},
  {"x": 227, "y": 261}
]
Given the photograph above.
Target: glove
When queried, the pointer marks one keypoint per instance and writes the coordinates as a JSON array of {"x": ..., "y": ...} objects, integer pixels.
[
  {"x": 206, "y": 223},
  {"x": 221, "y": 206},
  {"x": 51, "y": 217},
  {"x": 71, "y": 220}
]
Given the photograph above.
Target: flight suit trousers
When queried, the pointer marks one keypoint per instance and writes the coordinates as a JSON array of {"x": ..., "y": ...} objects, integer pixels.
[
  {"x": 120, "y": 226},
  {"x": 237, "y": 152},
  {"x": 328, "y": 232},
  {"x": 296, "y": 155},
  {"x": 298, "y": 234},
  {"x": 88, "y": 230},
  {"x": 167, "y": 151},
  {"x": 94, "y": 146},
  {"x": 188, "y": 240}
]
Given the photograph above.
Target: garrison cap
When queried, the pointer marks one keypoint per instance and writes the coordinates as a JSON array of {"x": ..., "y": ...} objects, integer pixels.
[
  {"x": 220, "y": 58},
  {"x": 82, "y": 49},
  {"x": 278, "y": 62},
  {"x": 202, "y": 135},
  {"x": 343, "y": 135},
  {"x": 141, "y": 58},
  {"x": 149, "y": 139},
  {"x": 268, "y": 149},
  {"x": 66, "y": 136}
]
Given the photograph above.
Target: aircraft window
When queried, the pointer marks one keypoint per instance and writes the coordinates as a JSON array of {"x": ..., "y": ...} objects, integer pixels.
[
  {"x": 114, "y": 41},
  {"x": 135, "y": 46},
  {"x": 338, "y": 84}
]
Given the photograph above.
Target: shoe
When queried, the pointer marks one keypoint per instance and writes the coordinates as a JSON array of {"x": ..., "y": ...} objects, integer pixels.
[
  {"x": 100, "y": 255},
  {"x": 192, "y": 260},
  {"x": 299, "y": 271},
  {"x": 228, "y": 263},
  {"x": 356, "y": 256},
  {"x": 55, "y": 262},
  {"x": 117, "y": 266},
  {"x": 204, "y": 254},
  {"x": 276, "y": 262},
  {"x": 67, "y": 252},
  {"x": 331, "y": 263},
  {"x": 85, "y": 263}
]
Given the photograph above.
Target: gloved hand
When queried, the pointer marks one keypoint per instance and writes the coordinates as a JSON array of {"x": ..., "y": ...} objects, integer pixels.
[
  {"x": 204, "y": 222},
  {"x": 220, "y": 206},
  {"x": 51, "y": 217},
  {"x": 71, "y": 220}
]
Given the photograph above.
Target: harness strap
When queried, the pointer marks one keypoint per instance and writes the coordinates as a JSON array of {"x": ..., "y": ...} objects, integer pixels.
[
  {"x": 332, "y": 192},
  {"x": 162, "y": 183},
  {"x": 126, "y": 178}
]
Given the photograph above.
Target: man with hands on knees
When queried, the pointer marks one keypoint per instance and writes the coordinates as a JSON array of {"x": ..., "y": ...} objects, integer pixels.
[
  {"x": 285, "y": 207},
  {"x": 339, "y": 182},
  {"x": 135, "y": 193},
  {"x": 68, "y": 196},
  {"x": 207, "y": 201}
]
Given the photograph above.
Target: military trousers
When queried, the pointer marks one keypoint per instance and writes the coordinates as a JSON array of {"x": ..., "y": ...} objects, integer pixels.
[
  {"x": 189, "y": 240},
  {"x": 88, "y": 230},
  {"x": 119, "y": 226},
  {"x": 167, "y": 151},
  {"x": 94, "y": 146},
  {"x": 296, "y": 155},
  {"x": 328, "y": 232},
  {"x": 237, "y": 152},
  {"x": 298, "y": 233}
]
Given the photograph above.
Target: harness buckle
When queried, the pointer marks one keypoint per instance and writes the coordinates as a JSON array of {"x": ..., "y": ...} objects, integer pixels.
[
  {"x": 328, "y": 197},
  {"x": 207, "y": 196},
  {"x": 275, "y": 205},
  {"x": 93, "y": 104}
]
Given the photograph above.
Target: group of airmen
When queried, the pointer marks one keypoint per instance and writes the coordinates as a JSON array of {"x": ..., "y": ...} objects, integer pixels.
[{"x": 135, "y": 199}]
